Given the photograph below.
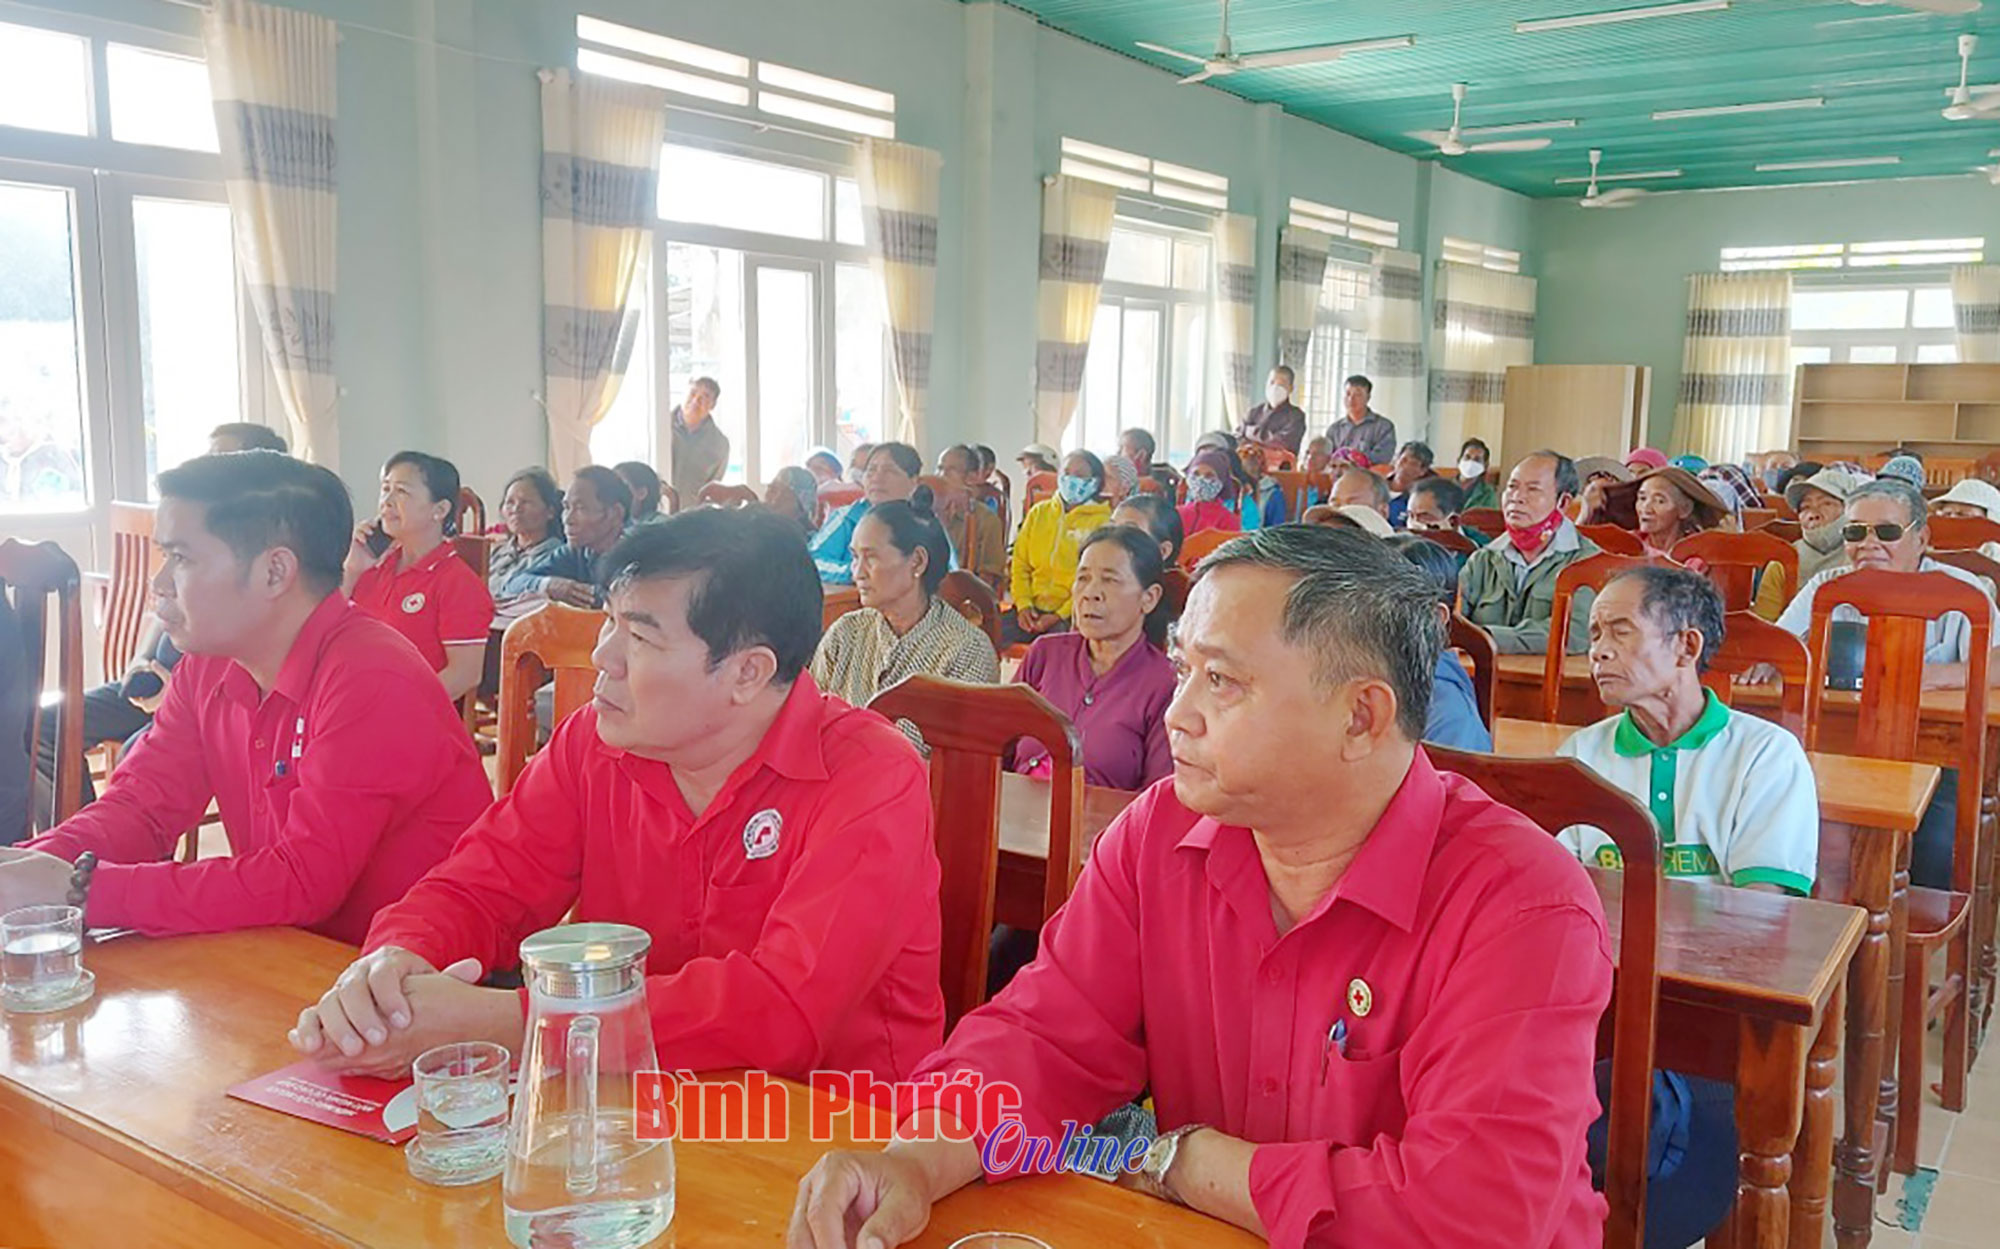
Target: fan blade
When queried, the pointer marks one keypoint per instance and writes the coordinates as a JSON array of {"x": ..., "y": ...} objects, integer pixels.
[
  {"x": 1985, "y": 105},
  {"x": 1203, "y": 74},
  {"x": 1620, "y": 195},
  {"x": 1511, "y": 145},
  {"x": 1947, "y": 8},
  {"x": 1174, "y": 52},
  {"x": 1432, "y": 137},
  {"x": 1295, "y": 56}
]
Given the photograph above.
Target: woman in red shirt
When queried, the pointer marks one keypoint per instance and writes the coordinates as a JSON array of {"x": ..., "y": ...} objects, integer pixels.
[{"x": 416, "y": 584}]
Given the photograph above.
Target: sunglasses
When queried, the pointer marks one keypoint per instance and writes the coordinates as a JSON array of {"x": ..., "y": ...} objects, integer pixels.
[{"x": 1889, "y": 532}]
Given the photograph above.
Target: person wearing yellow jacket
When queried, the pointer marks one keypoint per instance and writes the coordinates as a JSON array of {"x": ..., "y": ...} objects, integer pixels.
[{"x": 1045, "y": 547}]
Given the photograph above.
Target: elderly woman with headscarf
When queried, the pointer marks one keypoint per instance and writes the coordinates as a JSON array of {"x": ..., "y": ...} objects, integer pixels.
[
  {"x": 794, "y": 493},
  {"x": 1673, "y": 503},
  {"x": 1211, "y": 493},
  {"x": 1121, "y": 478},
  {"x": 1645, "y": 459}
]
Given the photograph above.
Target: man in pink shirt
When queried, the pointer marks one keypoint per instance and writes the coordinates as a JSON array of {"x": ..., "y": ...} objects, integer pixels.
[
  {"x": 1364, "y": 996},
  {"x": 341, "y": 770}
]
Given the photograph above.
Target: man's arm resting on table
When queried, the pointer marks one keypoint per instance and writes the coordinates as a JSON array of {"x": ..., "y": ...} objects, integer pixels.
[{"x": 390, "y": 1005}]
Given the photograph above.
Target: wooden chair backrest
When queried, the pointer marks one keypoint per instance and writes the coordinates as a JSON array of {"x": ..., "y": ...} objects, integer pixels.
[
  {"x": 1973, "y": 562},
  {"x": 1962, "y": 533},
  {"x": 1897, "y": 606},
  {"x": 1198, "y": 545},
  {"x": 553, "y": 640},
  {"x": 838, "y": 497},
  {"x": 1477, "y": 643},
  {"x": 969, "y": 730},
  {"x": 1039, "y": 486},
  {"x": 1939, "y": 471},
  {"x": 1450, "y": 539},
  {"x": 1611, "y": 539},
  {"x": 724, "y": 495},
  {"x": 1784, "y": 530},
  {"x": 1486, "y": 520},
  {"x": 1590, "y": 572},
  {"x": 1748, "y": 640},
  {"x": 1556, "y": 793},
  {"x": 973, "y": 599},
  {"x": 471, "y": 511},
  {"x": 1735, "y": 559},
  {"x": 32, "y": 574},
  {"x": 1777, "y": 503},
  {"x": 129, "y": 597},
  {"x": 1754, "y": 518},
  {"x": 1297, "y": 488},
  {"x": 1176, "y": 584},
  {"x": 476, "y": 551}
]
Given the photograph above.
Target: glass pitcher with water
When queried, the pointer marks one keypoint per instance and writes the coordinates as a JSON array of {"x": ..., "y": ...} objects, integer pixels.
[{"x": 578, "y": 1176}]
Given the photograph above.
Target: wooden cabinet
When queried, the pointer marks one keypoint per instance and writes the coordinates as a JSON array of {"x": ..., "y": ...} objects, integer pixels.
[
  {"x": 1950, "y": 412},
  {"x": 1578, "y": 409}
]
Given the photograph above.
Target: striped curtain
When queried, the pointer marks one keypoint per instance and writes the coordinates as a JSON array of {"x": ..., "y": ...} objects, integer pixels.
[
  {"x": 899, "y": 216},
  {"x": 271, "y": 78},
  {"x": 1235, "y": 290},
  {"x": 1736, "y": 370},
  {"x": 1975, "y": 300},
  {"x": 1395, "y": 336},
  {"x": 1482, "y": 323},
  {"x": 1076, "y": 241},
  {"x": 1301, "y": 275},
  {"x": 600, "y": 181}
]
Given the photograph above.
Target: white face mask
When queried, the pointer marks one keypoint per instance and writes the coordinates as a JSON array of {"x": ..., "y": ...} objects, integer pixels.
[
  {"x": 1470, "y": 469},
  {"x": 1275, "y": 395}
]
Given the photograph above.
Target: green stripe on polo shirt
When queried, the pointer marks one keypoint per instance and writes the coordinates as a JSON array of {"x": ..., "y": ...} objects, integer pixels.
[{"x": 1629, "y": 741}]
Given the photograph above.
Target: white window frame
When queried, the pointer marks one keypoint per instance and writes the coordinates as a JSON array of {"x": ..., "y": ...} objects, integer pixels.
[
  {"x": 1339, "y": 347},
  {"x": 1142, "y": 175},
  {"x": 1890, "y": 254},
  {"x": 1481, "y": 255},
  {"x": 1344, "y": 223},
  {"x": 1840, "y": 343},
  {"x": 1172, "y": 302}
]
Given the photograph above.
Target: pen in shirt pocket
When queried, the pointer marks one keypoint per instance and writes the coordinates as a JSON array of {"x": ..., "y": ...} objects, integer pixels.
[{"x": 1336, "y": 1039}]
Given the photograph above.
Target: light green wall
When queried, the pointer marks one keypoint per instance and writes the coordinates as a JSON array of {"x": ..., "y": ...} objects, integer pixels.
[
  {"x": 1614, "y": 288},
  {"x": 439, "y": 301}
]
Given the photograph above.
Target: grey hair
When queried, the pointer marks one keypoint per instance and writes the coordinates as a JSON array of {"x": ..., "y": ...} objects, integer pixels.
[
  {"x": 1378, "y": 486},
  {"x": 1356, "y": 604},
  {"x": 1679, "y": 599},
  {"x": 1903, "y": 492}
]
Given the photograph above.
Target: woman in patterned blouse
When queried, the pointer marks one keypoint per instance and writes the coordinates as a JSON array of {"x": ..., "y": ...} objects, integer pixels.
[
  {"x": 902, "y": 627},
  {"x": 531, "y": 507}
]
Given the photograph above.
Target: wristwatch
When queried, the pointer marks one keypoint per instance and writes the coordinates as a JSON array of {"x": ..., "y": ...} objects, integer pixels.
[{"x": 1160, "y": 1160}]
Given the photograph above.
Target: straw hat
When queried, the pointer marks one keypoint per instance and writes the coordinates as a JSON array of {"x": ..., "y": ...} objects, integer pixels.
[{"x": 1709, "y": 511}]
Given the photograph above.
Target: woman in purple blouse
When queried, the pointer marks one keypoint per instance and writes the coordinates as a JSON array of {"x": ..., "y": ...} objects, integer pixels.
[{"x": 1110, "y": 675}]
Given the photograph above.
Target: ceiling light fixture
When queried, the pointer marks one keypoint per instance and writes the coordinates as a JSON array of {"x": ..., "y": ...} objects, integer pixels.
[
  {"x": 1852, "y": 162},
  {"x": 1725, "y": 110},
  {"x": 1518, "y": 127},
  {"x": 1622, "y": 177},
  {"x": 1619, "y": 15}
]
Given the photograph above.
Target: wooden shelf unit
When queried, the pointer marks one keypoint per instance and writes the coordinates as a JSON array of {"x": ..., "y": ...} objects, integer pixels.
[{"x": 1950, "y": 412}]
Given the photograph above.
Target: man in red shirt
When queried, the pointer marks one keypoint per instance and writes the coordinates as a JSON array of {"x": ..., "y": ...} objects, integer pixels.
[
  {"x": 341, "y": 771},
  {"x": 1364, "y": 996},
  {"x": 774, "y": 841}
]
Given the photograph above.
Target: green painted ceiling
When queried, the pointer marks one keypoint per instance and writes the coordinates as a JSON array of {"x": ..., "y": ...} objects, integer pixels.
[{"x": 1884, "y": 73}]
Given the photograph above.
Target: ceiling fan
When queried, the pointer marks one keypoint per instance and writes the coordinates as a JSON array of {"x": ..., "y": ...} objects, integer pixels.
[
  {"x": 1963, "y": 106},
  {"x": 1616, "y": 197},
  {"x": 1226, "y": 61},
  {"x": 1947, "y": 8},
  {"x": 1452, "y": 142}
]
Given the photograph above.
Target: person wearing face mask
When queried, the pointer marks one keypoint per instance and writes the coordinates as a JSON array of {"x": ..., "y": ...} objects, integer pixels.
[
  {"x": 1508, "y": 586},
  {"x": 1818, "y": 501},
  {"x": 1211, "y": 494},
  {"x": 1276, "y": 422},
  {"x": 1474, "y": 459},
  {"x": 1045, "y": 548},
  {"x": 889, "y": 472}
]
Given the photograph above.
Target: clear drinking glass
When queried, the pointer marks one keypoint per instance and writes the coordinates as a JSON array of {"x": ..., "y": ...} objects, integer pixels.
[
  {"x": 41, "y": 959},
  {"x": 461, "y": 1113},
  {"x": 999, "y": 1240}
]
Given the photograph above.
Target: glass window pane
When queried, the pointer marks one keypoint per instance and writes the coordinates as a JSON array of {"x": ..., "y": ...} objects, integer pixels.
[
  {"x": 785, "y": 369},
  {"x": 1836, "y": 309},
  {"x": 705, "y": 336},
  {"x": 1139, "y": 258},
  {"x": 1139, "y": 378},
  {"x": 44, "y": 80},
  {"x": 41, "y": 383},
  {"x": 1191, "y": 264},
  {"x": 1189, "y": 380},
  {"x": 1937, "y": 353},
  {"x": 709, "y": 188},
  {"x": 864, "y": 395},
  {"x": 160, "y": 98},
  {"x": 1811, "y": 355},
  {"x": 626, "y": 432},
  {"x": 847, "y": 212},
  {"x": 1930, "y": 308},
  {"x": 1100, "y": 378},
  {"x": 1881, "y": 353},
  {"x": 189, "y": 335}
]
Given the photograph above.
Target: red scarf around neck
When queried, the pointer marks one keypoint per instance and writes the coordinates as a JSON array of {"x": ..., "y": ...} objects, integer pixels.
[{"x": 1528, "y": 541}]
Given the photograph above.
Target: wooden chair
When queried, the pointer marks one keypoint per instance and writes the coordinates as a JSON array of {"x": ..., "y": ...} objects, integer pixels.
[
  {"x": 1784, "y": 530},
  {"x": 1175, "y": 585},
  {"x": 1450, "y": 539},
  {"x": 1942, "y": 473},
  {"x": 1754, "y": 518},
  {"x": 1556, "y": 793},
  {"x": 551, "y": 641},
  {"x": 1897, "y": 607},
  {"x": 1734, "y": 560},
  {"x": 1611, "y": 539},
  {"x": 1778, "y": 504},
  {"x": 1487, "y": 520},
  {"x": 1039, "y": 486},
  {"x": 1591, "y": 572},
  {"x": 1297, "y": 488},
  {"x": 1198, "y": 546},
  {"x": 129, "y": 593},
  {"x": 974, "y": 600},
  {"x": 1748, "y": 640},
  {"x": 476, "y": 550},
  {"x": 1973, "y": 562},
  {"x": 720, "y": 495},
  {"x": 836, "y": 498},
  {"x": 670, "y": 500},
  {"x": 1477, "y": 643},
  {"x": 33, "y": 573},
  {"x": 1962, "y": 533},
  {"x": 969, "y": 730},
  {"x": 992, "y": 496},
  {"x": 471, "y": 511}
]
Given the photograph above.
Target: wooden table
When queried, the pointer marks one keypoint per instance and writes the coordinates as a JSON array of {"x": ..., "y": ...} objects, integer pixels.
[
  {"x": 1868, "y": 808},
  {"x": 124, "y": 1096},
  {"x": 1024, "y": 842}
]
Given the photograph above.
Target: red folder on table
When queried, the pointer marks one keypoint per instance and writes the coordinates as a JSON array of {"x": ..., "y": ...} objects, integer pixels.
[{"x": 382, "y": 1110}]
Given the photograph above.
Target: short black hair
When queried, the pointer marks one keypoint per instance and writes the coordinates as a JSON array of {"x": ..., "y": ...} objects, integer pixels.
[
  {"x": 1470, "y": 443},
  {"x": 543, "y": 482},
  {"x": 1163, "y": 519},
  {"x": 440, "y": 480},
  {"x": 1421, "y": 450},
  {"x": 1291, "y": 378},
  {"x": 904, "y": 455},
  {"x": 1148, "y": 569},
  {"x": 987, "y": 460},
  {"x": 1449, "y": 494},
  {"x": 1363, "y": 382},
  {"x": 754, "y": 583},
  {"x": 1143, "y": 439},
  {"x": 1566, "y": 479},
  {"x": 1437, "y": 563},
  {"x": 257, "y": 500},
  {"x": 713, "y": 387},
  {"x": 609, "y": 487},
  {"x": 1678, "y": 599},
  {"x": 250, "y": 436},
  {"x": 645, "y": 486},
  {"x": 913, "y": 524}
]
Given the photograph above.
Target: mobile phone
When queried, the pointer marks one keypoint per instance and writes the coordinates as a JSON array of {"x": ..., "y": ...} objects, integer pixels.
[{"x": 378, "y": 541}]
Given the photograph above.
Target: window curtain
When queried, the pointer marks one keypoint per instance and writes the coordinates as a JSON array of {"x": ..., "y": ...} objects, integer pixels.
[
  {"x": 1395, "y": 335},
  {"x": 1076, "y": 241},
  {"x": 1975, "y": 300},
  {"x": 1301, "y": 276},
  {"x": 899, "y": 216},
  {"x": 1482, "y": 323},
  {"x": 271, "y": 78},
  {"x": 1235, "y": 287},
  {"x": 1736, "y": 370},
  {"x": 600, "y": 182}
]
